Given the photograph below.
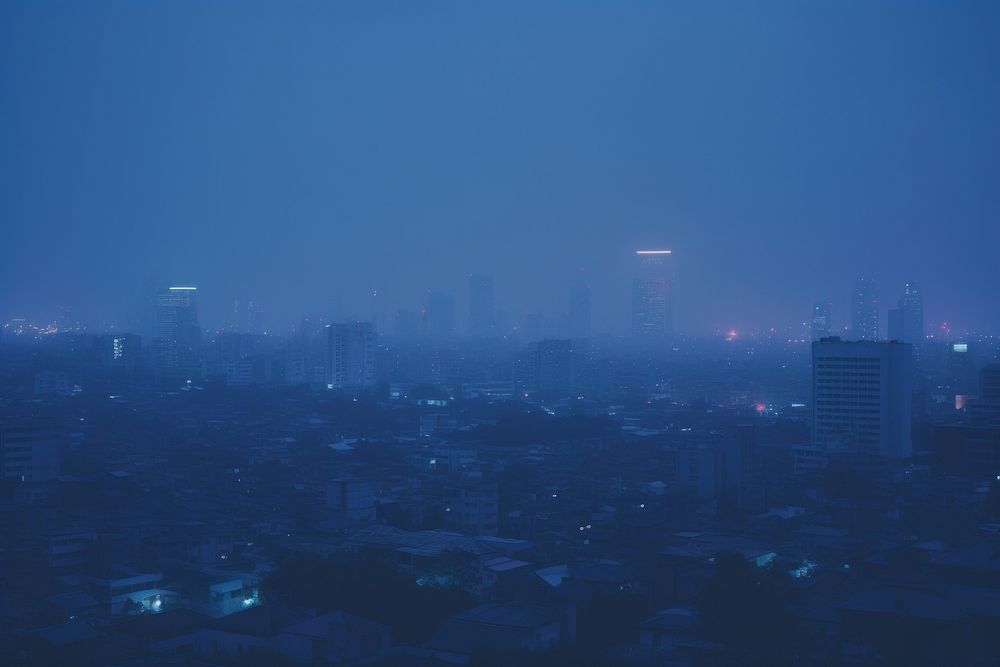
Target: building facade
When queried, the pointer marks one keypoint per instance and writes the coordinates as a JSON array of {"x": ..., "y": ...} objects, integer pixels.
[
  {"x": 864, "y": 310},
  {"x": 652, "y": 307},
  {"x": 351, "y": 355},
  {"x": 862, "y": 393}
]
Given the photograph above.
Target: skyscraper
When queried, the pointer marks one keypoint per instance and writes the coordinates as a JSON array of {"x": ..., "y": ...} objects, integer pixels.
[
  {"x": 862, "y": 396},
  {"x": 176, "y": 334},
  {"x": 481, "y": 316},
  {"x": 912, "y": 305},
  {"x": 906, "y": 321},
  {"x": 820, "y": 322},
  {"x": 579, "y": 312},
  {"x": 351, "y": 355},
  {"x": 895, "y": 325},
  {"x": 652, "y": 315},
  {"x": 176, "y": 312},
  {"x": 864, "y": 310}
]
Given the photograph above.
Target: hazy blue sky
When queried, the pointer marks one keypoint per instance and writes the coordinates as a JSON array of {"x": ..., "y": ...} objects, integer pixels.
[{"x": 305, "y": 153}]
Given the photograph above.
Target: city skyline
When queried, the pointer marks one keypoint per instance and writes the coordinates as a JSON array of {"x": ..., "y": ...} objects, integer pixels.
[
  {"x": 288, "y": 177},
  {"x": 499, "y": 334},
  {"x": 571, "y": 320}
]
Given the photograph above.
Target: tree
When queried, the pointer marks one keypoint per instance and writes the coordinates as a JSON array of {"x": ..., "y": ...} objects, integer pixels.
[{"x": 368, "y": 587}]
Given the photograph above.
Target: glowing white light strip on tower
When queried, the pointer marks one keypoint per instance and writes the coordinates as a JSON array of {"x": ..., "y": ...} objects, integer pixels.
[
  {"x": 183, "y": 289},
  {"x": 653, "y": 252}
]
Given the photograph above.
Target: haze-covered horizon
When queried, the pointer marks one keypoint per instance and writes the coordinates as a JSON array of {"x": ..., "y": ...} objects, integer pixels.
[{"x": 306, "y": 155}]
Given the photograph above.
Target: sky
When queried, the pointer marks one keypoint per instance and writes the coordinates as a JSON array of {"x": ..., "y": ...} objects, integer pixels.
[{"x": 304, "y": 154}]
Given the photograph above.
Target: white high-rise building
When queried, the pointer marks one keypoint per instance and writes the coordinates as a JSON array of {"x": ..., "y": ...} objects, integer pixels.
[
  {"x": 862, "y": 394},
  {"x": 351, "y": 355}
]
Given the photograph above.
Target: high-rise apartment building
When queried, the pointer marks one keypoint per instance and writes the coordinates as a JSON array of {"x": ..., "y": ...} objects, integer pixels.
[
  {"x": 862, "y": 393},
  {"x": 351, "y": 355}
]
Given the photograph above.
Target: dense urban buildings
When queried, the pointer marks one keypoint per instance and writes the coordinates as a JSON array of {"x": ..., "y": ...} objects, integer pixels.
[
  {"x": 365, "y": 334},
  {"x": 386, "y": 496}
]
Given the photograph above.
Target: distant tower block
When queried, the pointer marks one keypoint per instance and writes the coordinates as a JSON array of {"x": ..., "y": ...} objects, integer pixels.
[{"x": 652, "y": 302}]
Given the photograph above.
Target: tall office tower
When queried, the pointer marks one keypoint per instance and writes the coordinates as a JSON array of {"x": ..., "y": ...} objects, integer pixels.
[
  {"x": 652, "y": 315},
  {"x": 820, "y": 323},
  {"x": 894, "y": 325},
  {"x": 481, "y": 317},
  {"x": 864, "y": 310},
  {"x": 579, "y": 312},
  {"x": 350, "y": 355},
  {"x": 862, "y": 394},
  {"x": 176, "y": 313},
  {"x": 906, "y": 321},
  {"x": 438, "y": 318},
  {"x": 912, "y": 305},
  {"x": 176, "y": 334}
]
